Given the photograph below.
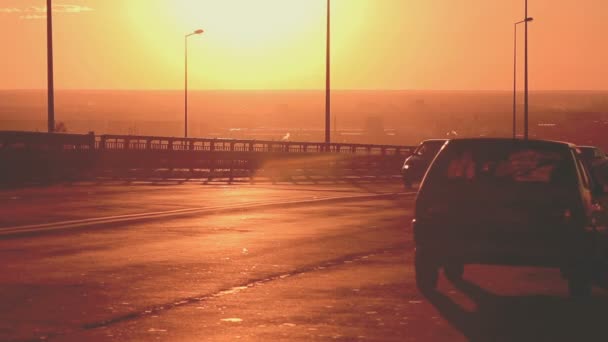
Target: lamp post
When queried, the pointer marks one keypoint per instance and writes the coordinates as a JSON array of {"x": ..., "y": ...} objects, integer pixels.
[
  {"x": 327, "y": 81},
  {"x": 186, "y": 79},
  {"x": 49, "y": 56},
  {"x": 515, "y": 74},
  {"x": 526, "y": 73}
]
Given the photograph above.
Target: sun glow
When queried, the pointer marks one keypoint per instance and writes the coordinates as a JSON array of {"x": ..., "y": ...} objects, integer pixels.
[
  {"x": 246, "y": 44},
  {"x": 246, "y": 23},
  {"x": 280, "y": 44}
]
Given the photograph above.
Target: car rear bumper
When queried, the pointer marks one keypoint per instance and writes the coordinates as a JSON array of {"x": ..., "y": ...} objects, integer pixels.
[
  {"x": 542, "y": 257},
  {"x": 518, "y": 249}
]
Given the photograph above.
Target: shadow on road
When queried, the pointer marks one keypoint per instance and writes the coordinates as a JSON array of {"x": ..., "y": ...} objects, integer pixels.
[{"x": 524, "y": 318}]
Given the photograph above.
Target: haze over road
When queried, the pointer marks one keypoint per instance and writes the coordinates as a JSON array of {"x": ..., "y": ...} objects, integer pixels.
[{"x": 253, "y": 262}]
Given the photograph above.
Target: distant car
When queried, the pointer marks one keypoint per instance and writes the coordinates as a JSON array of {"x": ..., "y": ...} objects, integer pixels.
[
  {"x": 508, "y": 202},
  {"x": 593, "y": 155},
  {"x": 597, "y": 162},
  {"x": 416, "y": 164}
]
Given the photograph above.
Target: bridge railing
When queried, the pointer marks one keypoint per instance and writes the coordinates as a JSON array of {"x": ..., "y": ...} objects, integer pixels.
[
  {"x": 26, "y": 156},
  {"x": 154, "y": 143},
  {"x": 19, "y": 140},
  {"x": 65, "y": 142}
]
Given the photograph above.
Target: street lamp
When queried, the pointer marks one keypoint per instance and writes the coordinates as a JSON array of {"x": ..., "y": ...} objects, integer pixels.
[
  {"x": 186, "y": 79},
  {"x": 526, "y": 73},
  {"x": 515, "y": 73},
  {"x": 49, "y": 56},
  {"x": 327, "y": 80}
]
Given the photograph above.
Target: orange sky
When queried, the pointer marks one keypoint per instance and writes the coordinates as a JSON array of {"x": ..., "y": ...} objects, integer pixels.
[{"x": 279, "y": 44}]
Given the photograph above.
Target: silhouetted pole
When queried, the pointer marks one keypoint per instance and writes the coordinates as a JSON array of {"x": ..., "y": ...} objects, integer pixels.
[
  {"x": 526, "y": 75},
  {"x": 327, "y": 81},
  {"x": 515, "y": 80},
  {"x": 186, "y": 80},
  {"x": 49, "y": 54},
  {"x": 515, "y": 75}
]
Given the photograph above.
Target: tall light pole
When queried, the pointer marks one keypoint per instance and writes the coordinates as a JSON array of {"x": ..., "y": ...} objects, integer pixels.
[
  {"x": 49, "y": 56},
  {"x": 327, "y": 80},
  {"x": 186, "y": 79},
  {"x": 526, "y": 73},
  {"x": 515, "y": 74}
]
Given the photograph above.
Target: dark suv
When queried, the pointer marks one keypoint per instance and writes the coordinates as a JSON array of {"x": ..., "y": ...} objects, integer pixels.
[
  {"x": 416, "y": 164},
  {"x": 507, "y": 202},
  {"x": 593, "y": 155}
]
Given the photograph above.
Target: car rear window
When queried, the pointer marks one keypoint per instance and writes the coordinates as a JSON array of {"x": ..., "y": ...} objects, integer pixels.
[{"x": 511, "y": 163}]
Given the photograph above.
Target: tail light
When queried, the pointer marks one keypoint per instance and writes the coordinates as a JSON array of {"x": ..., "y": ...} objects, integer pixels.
[{"x": 567, "y": 215}]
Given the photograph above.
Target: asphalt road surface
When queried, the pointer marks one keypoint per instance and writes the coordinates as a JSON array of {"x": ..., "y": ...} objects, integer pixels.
[{"x": 282, "y": 262}]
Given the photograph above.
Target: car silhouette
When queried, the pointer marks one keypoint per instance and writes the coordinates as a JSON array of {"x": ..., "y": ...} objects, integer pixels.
[
  {"x": 596, "y": 161},
  {"x": 416, "y": 164},
  {"x": 508, "y": 202}
]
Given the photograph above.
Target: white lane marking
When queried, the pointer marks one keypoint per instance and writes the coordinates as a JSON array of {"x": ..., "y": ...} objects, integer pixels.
[{"x": 177, "y": 212}]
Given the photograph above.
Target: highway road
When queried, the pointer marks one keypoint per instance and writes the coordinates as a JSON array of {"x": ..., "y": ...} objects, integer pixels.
[{"x": 265, "y": 262}]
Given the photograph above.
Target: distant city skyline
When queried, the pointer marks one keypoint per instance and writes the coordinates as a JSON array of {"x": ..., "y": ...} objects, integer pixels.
[{"x": 279, "y": 44}]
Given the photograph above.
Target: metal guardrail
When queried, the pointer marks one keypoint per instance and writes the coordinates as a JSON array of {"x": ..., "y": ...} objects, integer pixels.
[
  {"x": 154, "y": 143},
  {"x": 27, "y": 156},
  {"x": 63, "y": 141},
  {"x": 19, "y": 140}
]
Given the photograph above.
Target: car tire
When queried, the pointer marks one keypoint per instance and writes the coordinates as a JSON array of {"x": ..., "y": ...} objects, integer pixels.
[
  {"x": 579, "y": 287},
  {"x": 427, "y": 272},
  {"x": 454, "y": 272}
]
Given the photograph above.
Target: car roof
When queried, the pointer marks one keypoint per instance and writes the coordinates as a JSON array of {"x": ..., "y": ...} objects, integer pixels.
[{"x": 531, "y": 142}]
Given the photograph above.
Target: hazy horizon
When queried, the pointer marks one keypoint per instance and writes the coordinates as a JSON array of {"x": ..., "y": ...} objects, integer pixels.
[{"x": 409, "y": 116}]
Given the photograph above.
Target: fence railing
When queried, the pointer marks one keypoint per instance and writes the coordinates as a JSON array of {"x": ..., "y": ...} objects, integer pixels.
[
  {"x": 19, "y": 140},
  {"x": 28, "y": 156},
  {"x": 63, "y": 141},
  {"x": 154, "y": 143}
]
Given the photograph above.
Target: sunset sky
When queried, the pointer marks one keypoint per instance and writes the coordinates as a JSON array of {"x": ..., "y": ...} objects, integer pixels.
[{"x": 279, "y": 44}]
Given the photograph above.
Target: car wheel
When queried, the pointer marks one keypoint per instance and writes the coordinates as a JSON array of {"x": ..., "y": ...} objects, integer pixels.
[
  {"x": 579, "y": 287},
  {"x": 427, "y": 273},
  {"x": 454, "y": 272}
]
